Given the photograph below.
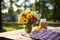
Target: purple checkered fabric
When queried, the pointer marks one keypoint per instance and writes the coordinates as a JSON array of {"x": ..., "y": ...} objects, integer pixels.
[{"x": 45, "y": 34}]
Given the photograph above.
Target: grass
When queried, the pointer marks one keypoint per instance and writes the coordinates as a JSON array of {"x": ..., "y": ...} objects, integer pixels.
[
  {"x": 54, "y": 23},
  {"x": 10, "y": 26}
]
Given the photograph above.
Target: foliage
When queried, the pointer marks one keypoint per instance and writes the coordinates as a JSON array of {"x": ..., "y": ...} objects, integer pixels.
[
  {"x": 10, "y": 11},
  {"x": 9, "y": 26},
  {"x": 18, "y": 11},
  {"x": 3, "y": 5},
  {"x": 51, "y": 1},
  {"x": 10, "y": 8},
  {"x": 32, "y": 7}
]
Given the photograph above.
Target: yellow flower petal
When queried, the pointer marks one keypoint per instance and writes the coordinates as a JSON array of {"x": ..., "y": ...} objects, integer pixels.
[
  {"x": 18, "y": 20},
  {"x": 21, "y": 19},
  {"x": 36, "y": 28},
  {"x": 37, "y": 22},
  {"x": 29, "y": 15}
]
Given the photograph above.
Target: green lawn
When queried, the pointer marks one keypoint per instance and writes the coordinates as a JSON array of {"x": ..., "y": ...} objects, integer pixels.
[
  {"x": 9, "y": 26},
  {"x": 54, "y": 23}
]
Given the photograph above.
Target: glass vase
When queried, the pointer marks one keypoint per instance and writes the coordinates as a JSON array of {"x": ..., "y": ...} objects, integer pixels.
[{"x": 28, "y": 28}]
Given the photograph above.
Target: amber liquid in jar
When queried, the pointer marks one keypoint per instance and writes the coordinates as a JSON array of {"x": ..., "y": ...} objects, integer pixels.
[{"x": 43, "y": 23}]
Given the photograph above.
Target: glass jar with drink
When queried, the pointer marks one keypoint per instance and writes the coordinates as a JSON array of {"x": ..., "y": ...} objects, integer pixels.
[{"x": 43, "y": 23}]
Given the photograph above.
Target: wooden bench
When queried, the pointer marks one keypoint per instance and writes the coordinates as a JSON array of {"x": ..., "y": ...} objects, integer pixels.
[{"x": 16, "y": 34}]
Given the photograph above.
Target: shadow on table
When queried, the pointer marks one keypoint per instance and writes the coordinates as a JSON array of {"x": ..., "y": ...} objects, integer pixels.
[{"x": 3, "y": 38}]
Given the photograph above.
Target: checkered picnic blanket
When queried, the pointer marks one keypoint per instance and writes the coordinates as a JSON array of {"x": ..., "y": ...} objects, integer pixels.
[{"x": 45, "y": 34}]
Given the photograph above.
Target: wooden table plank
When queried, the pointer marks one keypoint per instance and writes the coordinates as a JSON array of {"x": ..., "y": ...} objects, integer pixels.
[{"x": 15, "y": 35}]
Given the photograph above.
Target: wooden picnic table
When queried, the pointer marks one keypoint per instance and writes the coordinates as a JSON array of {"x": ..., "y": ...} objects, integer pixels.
[{"x": 16, "y": 34}]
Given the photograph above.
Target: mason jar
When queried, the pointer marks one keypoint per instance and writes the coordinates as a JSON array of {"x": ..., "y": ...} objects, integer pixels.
[{"x": 43, "y": 23}]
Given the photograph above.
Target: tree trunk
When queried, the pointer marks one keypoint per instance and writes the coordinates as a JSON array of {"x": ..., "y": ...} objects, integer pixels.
[
  {"x": 37, "y": 5},
  {"x": 43, "y": 10},
  {"x": 55, "y": 10},
  {"x": 0, "y": 19},
  {"x": 0, "y": 22}
]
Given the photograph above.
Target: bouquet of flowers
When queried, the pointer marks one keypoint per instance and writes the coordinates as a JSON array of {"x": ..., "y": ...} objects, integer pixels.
[{"x": 27, "y": 18}]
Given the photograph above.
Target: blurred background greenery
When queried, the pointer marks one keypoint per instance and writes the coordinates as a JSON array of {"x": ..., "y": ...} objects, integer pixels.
[{"x": 49, "y": 9}]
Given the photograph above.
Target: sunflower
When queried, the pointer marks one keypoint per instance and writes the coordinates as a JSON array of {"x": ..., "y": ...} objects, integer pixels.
[
  {"x": 21, "y": 19},
  {"x": 25, "y": 20},
  {"x": 29, "y": 15}
]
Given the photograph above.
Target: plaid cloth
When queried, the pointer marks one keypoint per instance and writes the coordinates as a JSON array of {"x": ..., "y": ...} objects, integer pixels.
[{"x": 45, "y": 34}]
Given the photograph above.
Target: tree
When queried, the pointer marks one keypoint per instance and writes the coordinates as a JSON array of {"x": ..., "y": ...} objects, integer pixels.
[
  {"x": 56, "y": 10},
  {"x": 11, "y": 12},
  {"x": 56, "y": 13},
  {"x": 26, "y": 5},
  {"x": 40, "y": 5}
]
